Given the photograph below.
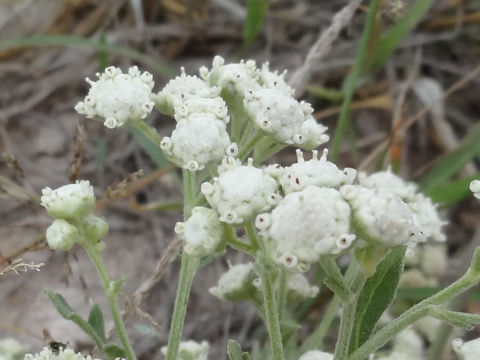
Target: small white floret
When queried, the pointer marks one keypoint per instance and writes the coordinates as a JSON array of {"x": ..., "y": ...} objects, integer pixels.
[
  {"x": 387, "y": 180},
  {"x": 60, "y": 354},
  {"x": 190, "y": 350},
  {"x": 202, "y": 232},
  {"x": 316, "y": 355},
  {"x": 236, "y": 284},
  {"x": 475, "y": 188},
  {"x": 61, "y": 235},
  {"x": 117, "y": 98},
  {"x": 70, "y": 201},
  {"x": 299, "y": 289},
  {"x": 235, "y": 78},
  {"x": 469, "y": 350}
]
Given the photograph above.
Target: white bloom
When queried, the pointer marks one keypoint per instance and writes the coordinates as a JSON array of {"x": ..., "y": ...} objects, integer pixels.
[
  {"x": 236, "y": 284},
  {"x": 202, "y": 232},
  {"x": 182, "y": 88},
  {"x": 61, "y": 354},
  {"x": 215, "y": 106},
  {"x": 118, "y": 98},
  {"x": 407, "y": 345},
  {"x": 95, "y": 227},
  {"x": 197, "y": 141},
  {"x": 235, "y": 78},
  {"x": 190, "y": 350},
  {"x": 434, "y": 259},
  {"x": 475, "y": 188},
  {"x": 316, "y": 172},
  {"x": 241, "y": 192},
  {"x": 380, "y": 216},
  {"x": 427, "y": 218},
  {"x": 387, "y": 180},
  {"x": 316, "y": 355},
  {"x": 273, "y": 80},
  {"x": 306, "y": 225},
  {"x": 284, "y": 118},
  {"x": 469, "y": 350},
  {"x": 69, "y": 201},
  {"x": 299, "y": 288},
  {"x": 61, "y": 235},
  {"x": 11, "y": 349}
]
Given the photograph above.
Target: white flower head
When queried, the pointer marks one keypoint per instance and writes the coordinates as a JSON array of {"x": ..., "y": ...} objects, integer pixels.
[
  {"x": 70, "y": 201},
  {"x": 95, "y": 227},
  {"x": 318, "y": 172},
  {"x": 61, "y": 235},
  {"x": 61, "y": 354},
  {"x": 427, "y": 217},
  {"x": 197, "y": 141},
  {"x": 284, "y": 118},
  {"x": 202, "y": 232},
  {"x": 469, "y": 350},
  {"x": 239, "y": 193},
  {"x": 306, "y": 225},
  {"x": 191, "y": 350},
  {"x": 475, "y": 188},
  {"x": 316, "y": 355},
  {"x": 235, "y": 78},
  {"x": 215, "y": 106},
  {"x": 182, "y": 88},
  {"x": 381, "y": 217},
  {"x": 11, "y": 349},
  {"x": 273, "y": 80},
  {"x": 387, "y": 180},
  {"x": 118, "y": 98},
  {"x": 236, "y": 284},
  {"x": 298, "y": 288}
]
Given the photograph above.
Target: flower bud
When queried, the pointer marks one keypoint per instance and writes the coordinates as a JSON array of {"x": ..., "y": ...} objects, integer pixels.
[
  {"x": 95, "y": 227},
  {"x": 61, "y": 235},
  {"x": 236, "y": 284}
]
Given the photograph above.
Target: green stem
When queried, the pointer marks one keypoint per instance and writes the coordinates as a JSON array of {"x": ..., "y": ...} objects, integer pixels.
[
  {"x": 188, "y": 268},
  {"x": 248, "y": 147},
  {"x": 282, "y": 293},
  {"x": 271, "y": 314},
  {"x": 351, "y": 82},
  {"x": 95, "y": 256},
  {"x": 334, "y": 278},
  {"x": 348, "y": 319},
  {"x": 233, "y": 241},
  {"x": 252, "y": 236},
  {"x": 149, "y": 132},
  {"x": 261, "y": 156},
  {"x": 468, "y": 280}
]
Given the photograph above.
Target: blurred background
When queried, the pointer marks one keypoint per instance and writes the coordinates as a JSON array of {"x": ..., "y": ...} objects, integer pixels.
[{"x": 412, "y": 88}]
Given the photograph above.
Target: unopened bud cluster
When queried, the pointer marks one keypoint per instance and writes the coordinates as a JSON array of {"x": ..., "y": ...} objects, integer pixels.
[{"x": 70, "y": 206}]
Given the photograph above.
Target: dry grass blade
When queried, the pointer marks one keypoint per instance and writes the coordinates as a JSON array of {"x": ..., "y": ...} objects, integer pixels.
[
  {"x": 74, "y": 171},
  {"x": 119, "y": 190},
  {"x": 18, "y": 265},
  {"x": 12, "y": 163},
  {"x": 323, "y": 45}
]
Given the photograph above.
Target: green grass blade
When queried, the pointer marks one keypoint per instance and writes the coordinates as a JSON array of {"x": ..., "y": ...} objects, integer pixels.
[
  {"x": 67, "y": 40},
  {"x": 256, "y": 10},
  {"x": 392, "y": 39},
  {"x": 453, "y": 162},
  {"x": 454, "y": 192},
  {"x": 152, "y": 149},
  {"x": 351, "y": 81}
]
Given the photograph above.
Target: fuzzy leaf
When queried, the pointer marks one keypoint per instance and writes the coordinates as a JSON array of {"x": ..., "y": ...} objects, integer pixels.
[
  {"x": 455, "y": 318},
  {"x": 376, "y": 295},
  {"x": 113, "y": 351},
  {"x": 95, "y": 319},
  {"x": 234, "y": 351}
]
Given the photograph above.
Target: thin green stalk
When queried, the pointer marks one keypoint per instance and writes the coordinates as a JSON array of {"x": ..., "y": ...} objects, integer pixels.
[
  {"x": 149, "y": 132},
  {"x": 96, "y": 258},
  {"x": 271, "y": 315},
  {"x": 468, "y": 280},
  {"x": 248, "y": 147},
  {"x": 188, "y": 268},
  {"x": 282, "y": 293},
  {"x": 334, "y": 278},
  {"x": 348, "y": 319},
  {"x": 260, "y": 157},
  {"x": 234, "y": 241},
  {"x": 252, "y": 236},
  {"x": 351, "y": 82}
]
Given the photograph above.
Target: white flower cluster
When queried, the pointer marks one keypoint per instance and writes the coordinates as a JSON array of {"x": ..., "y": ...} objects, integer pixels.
[
  {"x": 240, "y": 192},
  {"x": 316, "y": 355},
  {"x": 425, "y": 265},
  {"x": 407, "y": 345},
  {"x": 191, "y": 350},
  {"x": 268, "y": 101},
  {"x": 60, "y": 354},
  {"x": 202, "y": 232},
  {"x": 118, "y": 98},
  {"x": 475, "y": 188},
  {"x": 469, "y": 350},
  {"x": 11, "y": 349},
  {"x": 67, "y": 204}
]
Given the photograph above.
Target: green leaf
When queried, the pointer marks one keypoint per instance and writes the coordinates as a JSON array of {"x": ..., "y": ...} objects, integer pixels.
[
  {"x": 74, "y": 41},
  {"x": 95, "y": 319},
  {"x": 453, "y": 162},
  {"x": 59, "y": 302},
  {"x": 256, "y": 10},
  {"x": 376, "y": 295},
  {"x": 455, "y": 318},
  {"x": 325, "y": 93},
  {"x": 416, "y": 294},
  {"x": 454, "y": 192},
  {"x": 113, "y": 351},
  {"x": 234, "y": 351},
  {"x": 392, "y": 39}
]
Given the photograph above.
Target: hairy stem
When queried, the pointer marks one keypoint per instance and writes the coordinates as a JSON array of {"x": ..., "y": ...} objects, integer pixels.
[{"x": 95, "y": 256}]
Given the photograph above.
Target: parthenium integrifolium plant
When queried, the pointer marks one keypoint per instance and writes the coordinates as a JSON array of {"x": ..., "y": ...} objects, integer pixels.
[{"x": 229, "y": 122}]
